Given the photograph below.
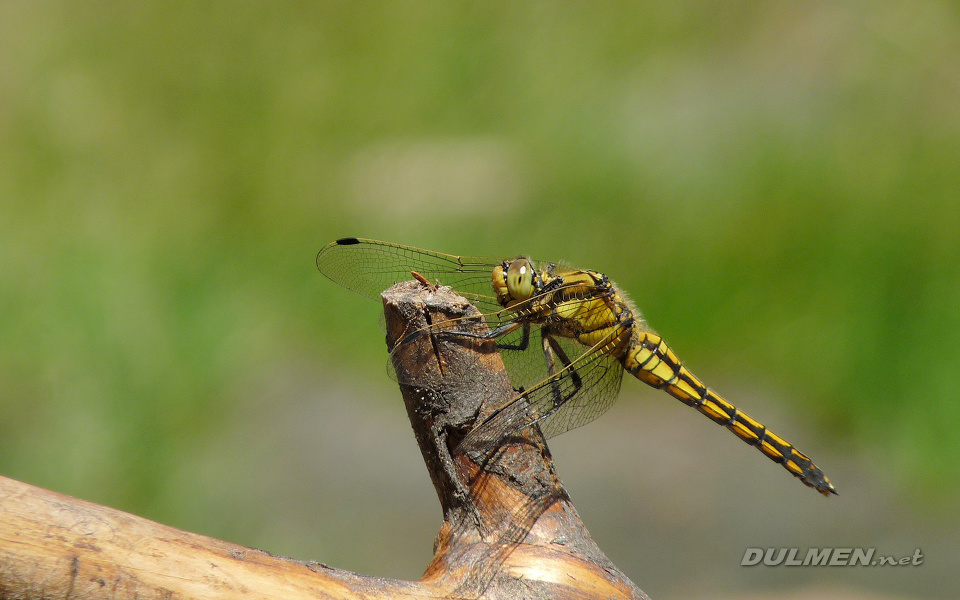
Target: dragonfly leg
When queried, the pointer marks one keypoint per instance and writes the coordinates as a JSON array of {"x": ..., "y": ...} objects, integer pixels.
[
  {"x": 553, "y": 351},
  {"x": 509, "y": 327},
  {"x": 497, "y": 333}
]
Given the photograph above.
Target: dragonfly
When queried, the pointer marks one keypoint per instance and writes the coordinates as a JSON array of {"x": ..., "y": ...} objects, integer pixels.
[{"x": 586, "y": 329}]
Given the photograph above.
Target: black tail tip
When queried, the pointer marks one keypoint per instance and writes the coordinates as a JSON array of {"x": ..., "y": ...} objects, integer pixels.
[
  {"x": 823, "y": 486},
  {"x": 815, "y": 478}
]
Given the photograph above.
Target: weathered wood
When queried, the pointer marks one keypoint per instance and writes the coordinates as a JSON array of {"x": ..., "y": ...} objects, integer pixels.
[
  {"x": 55, "y": 546},
  {"x": 509, "y": 529}
]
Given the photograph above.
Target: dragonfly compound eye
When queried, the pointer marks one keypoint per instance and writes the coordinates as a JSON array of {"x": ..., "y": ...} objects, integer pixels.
[{"x": 520, "y": 279}]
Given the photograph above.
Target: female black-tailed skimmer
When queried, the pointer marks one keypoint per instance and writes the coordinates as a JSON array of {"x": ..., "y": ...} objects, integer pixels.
[{"x": 589, "y": 332}]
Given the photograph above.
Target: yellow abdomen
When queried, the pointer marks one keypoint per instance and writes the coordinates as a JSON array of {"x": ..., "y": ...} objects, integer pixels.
[{"x": 650, "y": 360}]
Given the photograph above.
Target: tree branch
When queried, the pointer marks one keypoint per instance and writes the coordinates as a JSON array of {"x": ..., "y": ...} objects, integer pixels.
[
  {"x": 55, "y": 546},
  {"x": 509, "y": 529}
]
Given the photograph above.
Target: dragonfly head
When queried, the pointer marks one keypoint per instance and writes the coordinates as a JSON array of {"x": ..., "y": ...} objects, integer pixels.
[{"x": 515, "y": 281}]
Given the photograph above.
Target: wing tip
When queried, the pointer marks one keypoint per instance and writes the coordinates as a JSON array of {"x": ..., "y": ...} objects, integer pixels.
[{"x": 347, "y": 241}]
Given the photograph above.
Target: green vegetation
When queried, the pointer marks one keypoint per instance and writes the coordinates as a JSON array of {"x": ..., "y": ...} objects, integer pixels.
[{"x": 778, "y": 187}]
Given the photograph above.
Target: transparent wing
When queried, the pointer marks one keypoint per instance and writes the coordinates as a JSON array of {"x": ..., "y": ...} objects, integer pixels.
[
  {"x": 601, "y": 375},
  {"x": 573, "y": 396},
  {"x": 368, "y": 267},
  {"x": 526, "y": 368},
  {"x": 576, "y": 394}
]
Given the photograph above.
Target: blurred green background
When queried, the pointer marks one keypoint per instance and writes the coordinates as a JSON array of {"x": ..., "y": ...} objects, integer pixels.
[{"x": 777, "y": 185}]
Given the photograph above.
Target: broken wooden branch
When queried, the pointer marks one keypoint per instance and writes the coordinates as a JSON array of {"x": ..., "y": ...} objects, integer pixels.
[{"x": 509, "y": 528}]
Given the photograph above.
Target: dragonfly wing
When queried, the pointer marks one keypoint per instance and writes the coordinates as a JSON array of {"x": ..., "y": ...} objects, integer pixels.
[
  {"x": 527, "y": 367},
  {"x": 586, "y": 387},
  {"x": 368, "y": 267},
  {"x": 600, "y": 377},
  {"x": 573, "y": 396}
]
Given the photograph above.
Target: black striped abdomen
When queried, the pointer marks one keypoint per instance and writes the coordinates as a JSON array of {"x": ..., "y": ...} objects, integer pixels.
[{"x": 650, "y": 360}]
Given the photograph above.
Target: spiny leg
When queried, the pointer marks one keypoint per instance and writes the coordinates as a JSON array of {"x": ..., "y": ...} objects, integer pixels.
[
  {"x": 495, "y": 334},
  {"x": 552, "y": 351},
  {"x": 508, "y": 328},
  {"x": 654, "y": 363},
  {"x": 588, "y": 385}
]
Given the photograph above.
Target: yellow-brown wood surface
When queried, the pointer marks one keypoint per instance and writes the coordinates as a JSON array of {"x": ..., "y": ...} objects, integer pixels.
[{"x": 55, "y": 546}]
